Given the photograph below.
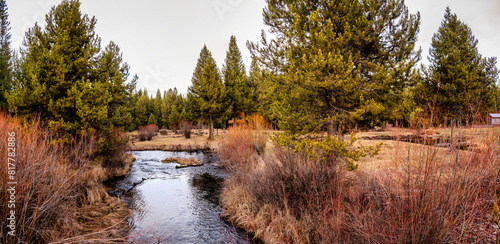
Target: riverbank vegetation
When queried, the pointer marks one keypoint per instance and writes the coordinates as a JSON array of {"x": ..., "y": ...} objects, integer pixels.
[
  {"x": 335, "y": 67},
  {"x": 331, "y": 68},
  {"x": 58, "y": 192},
  {"x": 417, "y": 194}
]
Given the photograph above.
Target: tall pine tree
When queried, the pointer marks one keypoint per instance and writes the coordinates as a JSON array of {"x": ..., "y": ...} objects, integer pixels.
[
  {"x": 239, "y": 90},
  {"x": 5, "y": 54},
  {"x": 207, "y": 94},
  {"x": 459, "y": 84},
  {"x": 337, "y": 62}
]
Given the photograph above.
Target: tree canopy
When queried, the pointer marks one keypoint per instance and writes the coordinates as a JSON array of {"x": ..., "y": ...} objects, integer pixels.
[
  {"x": 459, "y": 84},
  {"x": 67, "y": 79},
  {"x": 338, "y": 62}
]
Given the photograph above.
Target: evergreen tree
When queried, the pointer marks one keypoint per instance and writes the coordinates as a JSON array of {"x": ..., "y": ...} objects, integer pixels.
[
  {"x": 67, "y": 79},
  {"x": 5, "y": 54},
  {"x": 238, "y": 87},
  {"x": 337, "y": 62},
  {"x": 263, "y": 91},
  {"x": 174, "y": 118},
  {"x": 157, "y": 102},
  {"x": 141, "y": 110},
  {"x": 152, "y": 120},
  {"x": 459, "y": 84},
  {"x": 207, "y": 93}
]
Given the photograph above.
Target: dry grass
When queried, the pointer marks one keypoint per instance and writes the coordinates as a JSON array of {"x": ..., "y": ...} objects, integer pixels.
[
  {"x": 174, "y": 142},
  {"x": 412, "y": 194},
  {"x": 54, "y": 184},
  {"x": 183, "y": 162}
]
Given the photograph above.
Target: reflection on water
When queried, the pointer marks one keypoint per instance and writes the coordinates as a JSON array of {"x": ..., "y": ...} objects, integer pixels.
[{"x": 176, "y": 205}]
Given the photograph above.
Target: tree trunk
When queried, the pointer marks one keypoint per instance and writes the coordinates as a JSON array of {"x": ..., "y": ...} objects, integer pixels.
[
  {"x": 211, "y": 130},
  {"x": 330, "y": 129}
]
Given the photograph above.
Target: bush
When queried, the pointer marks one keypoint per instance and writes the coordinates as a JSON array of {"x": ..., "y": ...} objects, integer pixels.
[
  {"x": 111, "y": 148},
  {"x": 430, "y": 195},
  {"x": 164, "y": 132},
  {"x": 147, "y": 132},
  {"x": 186, "y": 128},
  {"x": 48, "y": 179}
]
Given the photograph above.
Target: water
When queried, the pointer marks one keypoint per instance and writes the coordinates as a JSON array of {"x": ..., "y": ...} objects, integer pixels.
[{"x": 172, "y": 205}]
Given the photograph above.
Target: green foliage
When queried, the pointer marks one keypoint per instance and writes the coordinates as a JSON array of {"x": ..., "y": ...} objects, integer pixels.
[
  {"x": 240, "y": 92},
  {"x": 328, "y": 148},
  {"x": 459, "y": 84},
  {"x": 5, "y": 54},
  {"x": 336, "y": 62},
  {"x": 152, "y": 120},
  {"x": 67, "y": 79},
  {"x": 207, "y": 94}
]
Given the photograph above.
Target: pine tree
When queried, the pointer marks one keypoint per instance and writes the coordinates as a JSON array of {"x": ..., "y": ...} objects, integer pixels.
[
  {"x": 459, "y": 84},
  {"x": 152, "y": 120},
  {"x": 157, "y": 102},
  {"x": 239, "y": 90},
  {"x": 263, "y": 91},
  {"x": 5, "y": 54},
  {"x": 65, "y": 77},
  {"x": 141, "y": 110},
  {"x": 337, "y": 62},
  {"x": 207, "y": 93}
]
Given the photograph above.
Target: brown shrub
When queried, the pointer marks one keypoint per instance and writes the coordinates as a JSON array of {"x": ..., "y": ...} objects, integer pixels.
[
  {"x": 147, "y": 132},
  {"x": 186, "y": 128},
  {"x": 52, "y": 182},
  {"x": 430, "y": 195},
  {"x": 47, "y": 184},
  {"x": 164, "y": 132}
]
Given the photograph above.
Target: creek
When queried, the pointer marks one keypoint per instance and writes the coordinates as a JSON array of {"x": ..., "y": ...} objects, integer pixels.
[{"x": 172, "y": 205}]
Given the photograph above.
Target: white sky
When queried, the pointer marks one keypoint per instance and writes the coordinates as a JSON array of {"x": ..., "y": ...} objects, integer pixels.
[{"x": 162, "y": 39}]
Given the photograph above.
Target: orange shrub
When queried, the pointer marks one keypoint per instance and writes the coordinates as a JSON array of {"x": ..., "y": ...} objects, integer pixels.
[{"x": 147, "y": 132}]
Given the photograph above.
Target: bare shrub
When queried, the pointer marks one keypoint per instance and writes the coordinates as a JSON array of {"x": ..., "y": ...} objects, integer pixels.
[
  {"x": 47, "y": 183},
  {"x": 429, "y": 195},
  {"x": 236, "y": 150},
  {"x": 147, "y": 132},
  {"x": 164, "y": 132},
  {"x": 259, "y": 126},
  {"x": 186, "y": 128}
]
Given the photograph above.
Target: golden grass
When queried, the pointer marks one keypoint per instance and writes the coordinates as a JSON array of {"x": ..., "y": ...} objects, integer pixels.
[
  {"x": 176, "y": 142},
  {"x": 183, "y": 162}
]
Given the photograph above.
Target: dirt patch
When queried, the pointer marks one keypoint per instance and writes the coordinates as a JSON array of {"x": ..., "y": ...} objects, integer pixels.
[{"x": 183, "y": 162}]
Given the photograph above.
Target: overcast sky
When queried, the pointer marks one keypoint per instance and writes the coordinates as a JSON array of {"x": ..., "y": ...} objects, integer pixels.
[{"x": 162, "y": 39}]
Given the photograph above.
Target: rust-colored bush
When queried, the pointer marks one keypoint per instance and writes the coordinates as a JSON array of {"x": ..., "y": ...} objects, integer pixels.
[
  {"x": 51, "y": 183},
  {"x": 147, "y": 132},
  {"x": 429, "y": 195},
  {"x": 186, "y": 128}
]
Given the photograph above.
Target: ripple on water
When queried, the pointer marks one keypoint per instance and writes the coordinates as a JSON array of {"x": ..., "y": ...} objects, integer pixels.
[{"x": 176, "y": 205}]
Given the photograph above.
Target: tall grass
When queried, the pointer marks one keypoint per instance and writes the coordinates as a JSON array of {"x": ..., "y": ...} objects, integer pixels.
[
  {"x": 428, "y": 195},
  {"x": 51, "y": 183}
]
